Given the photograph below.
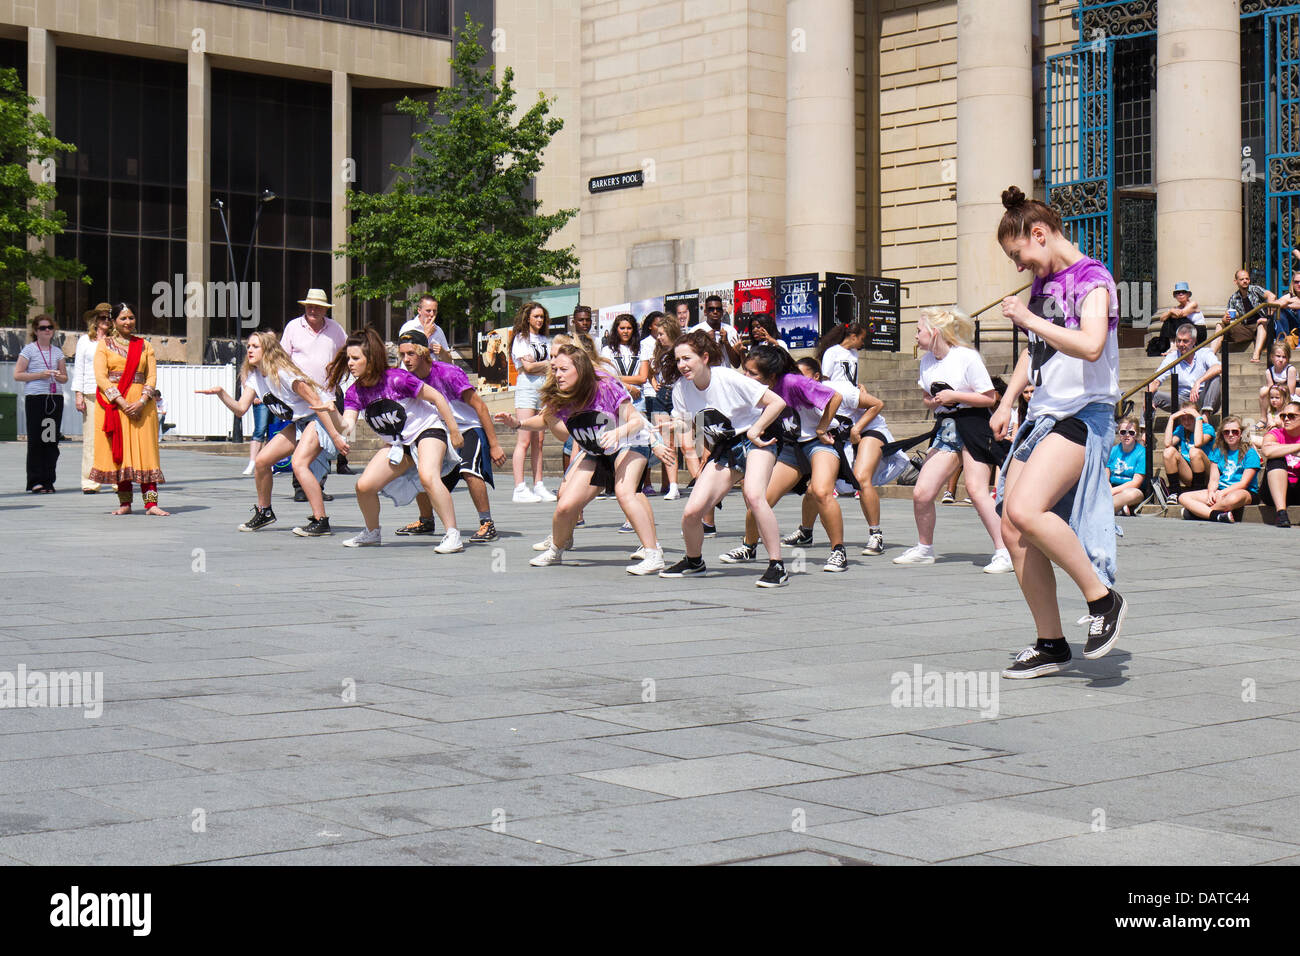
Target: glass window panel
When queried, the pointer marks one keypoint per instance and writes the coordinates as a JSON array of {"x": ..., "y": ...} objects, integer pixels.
[
  {"x": 334, "y": 8},
  {"x": 269, "y": 274},
  {"x": 439, "y": 17},
  {"x": 297, "y": 224},
  {"x": 155, "y": 267},
  {"x": 363, "y": 11},
  {"x": 243, "y": 152},
  {"x": 92, "y": 252},
  {"x": 413, "y": 15},
  {"x": 66, "y": 201},
  {"x": 388, "y": 12},
  {"x": 124, "y": 273},
  {"x": 124, "y": 208},
  {"x": 155, "y": 149},
  {"x": 178, "y": 208},
  {"x": 93, "y": 140},
  {"x": 94, "y": 205},
  {"x": 270, "y": 231},
  {"x": 125, "y": 134},
  {"x": 321, "y": 225},
  {"x": 271, "y": 145},
  {"x": 298, "y": 274},
  {"x": 155, "y": 211},
  {"x": 307, "y": 6}
]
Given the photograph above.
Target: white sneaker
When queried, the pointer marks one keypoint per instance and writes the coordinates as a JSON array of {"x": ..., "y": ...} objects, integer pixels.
[
  {"x": 542, "y": 493},
  {"x": 366, "y": 539},
  {"x": 450, "y": 542},
  {"x": 652, "y": 562},
  {"x": 247, "y": 471},
  {"x": 550, "y": 556},
  {"x": 914, "y": 555},
  {"x": 1001, "y": 563},
  {"x": 544, "y": 545},
  {"x": 673, "y": 493},
  {"x": 643, "y": 552},
  {"x": 524, "y": 497}
]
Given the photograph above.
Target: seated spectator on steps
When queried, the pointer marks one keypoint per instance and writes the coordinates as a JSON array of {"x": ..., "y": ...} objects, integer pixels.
[
  {"x": 1278, "y": 372},
  {"x": 1128, "y": 465},
  {"x": 1278, "y": 396},
  {"x": 1186, "y": 312},
  {"x": 1198, "y": 374},
  {"x": 1187, "y": 436},
  {"x": 1245, "y": 297},
  {"x": 1286, "y": 320},
  {"x": 1281, "y": 454},
  {"x": 1234, "y": 477}
]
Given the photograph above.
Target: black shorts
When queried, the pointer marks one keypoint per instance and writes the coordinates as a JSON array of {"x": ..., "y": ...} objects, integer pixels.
[
  {"x": 872, "y": 433},
  {"x": 1292, "y": 487},
  {"x": 437, "y": 433},
  {"x": 1072, "y": 429},
  {"x": 474, "y": 457}
]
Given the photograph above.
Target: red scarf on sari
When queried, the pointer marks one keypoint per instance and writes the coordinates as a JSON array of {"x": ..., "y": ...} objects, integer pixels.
[{"x": 113, "y": 426}]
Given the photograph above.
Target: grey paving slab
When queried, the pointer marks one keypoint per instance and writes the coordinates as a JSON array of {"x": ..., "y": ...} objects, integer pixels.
[
  {"x": 771, "y": 721},
  {"x": 1150, "y": 844}
]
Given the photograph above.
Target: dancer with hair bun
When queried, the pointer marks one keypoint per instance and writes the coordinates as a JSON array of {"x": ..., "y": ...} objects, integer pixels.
[
  {"x": 1057, "y": 508},
  {"x": 957, "y": 388}
]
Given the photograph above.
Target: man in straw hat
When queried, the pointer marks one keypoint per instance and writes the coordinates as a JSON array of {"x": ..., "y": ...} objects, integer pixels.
[{"x": 312, "y": 340}]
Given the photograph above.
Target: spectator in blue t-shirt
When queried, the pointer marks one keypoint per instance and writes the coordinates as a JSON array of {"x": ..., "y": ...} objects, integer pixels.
[
  {"x": 1127, "y": 466},
  {"x": 1187, "y": 435},
  {"x": 1234, "y": 477}
]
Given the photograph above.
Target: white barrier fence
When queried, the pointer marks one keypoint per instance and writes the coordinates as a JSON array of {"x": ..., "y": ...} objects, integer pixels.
[{"x": 195, "y": 416}]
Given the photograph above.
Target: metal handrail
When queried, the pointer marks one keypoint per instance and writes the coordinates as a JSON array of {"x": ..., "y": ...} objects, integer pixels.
[{"x": 1124, "y": 406}]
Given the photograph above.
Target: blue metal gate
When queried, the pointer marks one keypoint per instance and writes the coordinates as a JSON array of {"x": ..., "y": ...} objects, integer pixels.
[
  {"x": 1282, "y": 139},
  {"x": 1079, "y": 170}
]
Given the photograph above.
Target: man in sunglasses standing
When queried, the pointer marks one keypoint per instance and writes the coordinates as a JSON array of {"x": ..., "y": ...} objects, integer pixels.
[{"x": 725, "y": 334}]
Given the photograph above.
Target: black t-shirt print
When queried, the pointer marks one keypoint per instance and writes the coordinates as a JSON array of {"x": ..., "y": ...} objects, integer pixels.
[
  {"x": 387, "y": 418},
  {"x": 586, "y": 429},
  {"x": 277, "y": 407},
  {"x": 1045, "y": 307}
]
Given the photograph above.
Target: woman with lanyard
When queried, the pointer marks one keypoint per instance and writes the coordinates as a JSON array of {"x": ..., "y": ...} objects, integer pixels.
[
  {"x": 838, "y": 352},
  {"x": 860, "y": 433},
  {"x": 622, "y": 349},
  {"x": 41, "y": 367},
  {"x": 734, "y": 413},
  {"x": 1057, "y": 508},
  {"x": 270, "y": 377},
  {"x": 596, "y": 409},
  {"x": 957, "y": 388},
  {"x": 811, "y": 455},
  {"x": 126, "y": 415},
  {"x": 530, "y": 350},
  {"x": 411, "y": 416}
]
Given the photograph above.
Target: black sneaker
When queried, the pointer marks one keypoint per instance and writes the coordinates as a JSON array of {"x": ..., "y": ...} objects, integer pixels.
[
  {"x": 710, "y": 530},
  {"x": 774, "y": 576},
  {"x": 487, "y": 531},
  {"x": 299, "y": 495},
  {"x": 1103, "y": 629},
  {"x": 316, "y": 528},
  {"x": 801, "y": 538},
  {"x": 422, "y": 526},
  {"x": 261, "y": 518},
  {"x": 682, "y": 568},
  {"x": 746, "y": 552},
  {"x": 1283, "y": 519},
  {"x": 1036, "y": 662},
  {"x": 837, "y": 560}
]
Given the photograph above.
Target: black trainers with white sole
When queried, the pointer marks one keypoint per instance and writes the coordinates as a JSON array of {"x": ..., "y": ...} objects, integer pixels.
[
  {"x": 316, "y": 528},
  {"x": 682, "y": 568},
  {"x": 1103, "y": 629},
  {"x": 261, "y": 518},
  {"x": 774, "y": 576},
  {"x": 837, "y": 560},
  {"x": 740, "y": 555},
  {"x": 800, "y": 538},
  {"x": 1036, "y": 662}
]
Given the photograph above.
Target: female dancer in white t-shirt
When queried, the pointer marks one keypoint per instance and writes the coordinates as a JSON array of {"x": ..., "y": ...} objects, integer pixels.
[
  {"x": 285, "y": 391},
  {"x": 530, "y": 350},
  {"x": 733, "y": 412},
  {"x": 957, "y": 388},
  {"x": 837, "y": 351}
]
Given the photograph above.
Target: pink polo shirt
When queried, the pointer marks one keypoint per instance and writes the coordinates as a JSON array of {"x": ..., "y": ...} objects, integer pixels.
[{"x": 313, "y": 351}]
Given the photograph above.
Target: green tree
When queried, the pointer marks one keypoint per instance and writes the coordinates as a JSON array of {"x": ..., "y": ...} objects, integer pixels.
[
  {"x": 459, "y": 216},
  {"x": 26, "y": 205}
]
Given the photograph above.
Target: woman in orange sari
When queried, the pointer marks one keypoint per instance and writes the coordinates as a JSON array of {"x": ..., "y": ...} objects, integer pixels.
[{"x": 126, "y": 414}]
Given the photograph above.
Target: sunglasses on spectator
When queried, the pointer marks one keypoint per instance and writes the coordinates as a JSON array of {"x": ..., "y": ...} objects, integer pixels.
[
  {"x": 714, "y": 308},
  {"x": 1232, "y": 431},
  {"x": 44, "y": 328},
  {"x": 1287, "y": 416},
  {"x": 1127, "y": 431}
]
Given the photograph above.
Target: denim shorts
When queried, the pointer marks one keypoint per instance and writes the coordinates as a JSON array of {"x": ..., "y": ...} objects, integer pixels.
[
  {"x": 528, "y": 395},
  {"x": 946, "y": 437},
  {"x": 799, "y": 456},
  {"x": 261, "y": 421}
]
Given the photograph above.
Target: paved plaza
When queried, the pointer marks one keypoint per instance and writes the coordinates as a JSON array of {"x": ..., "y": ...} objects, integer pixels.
[{"x": 269, "y": 699}]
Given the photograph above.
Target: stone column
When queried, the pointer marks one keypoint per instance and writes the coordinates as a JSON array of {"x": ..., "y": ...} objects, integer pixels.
[
  {"x": 995, "y": 130},
  {"x": 198, "y": 198},
  {"x": 342, "y": 174},
  {"x": 40, "y": 86},
  {"x": 1198, "y": 148},
  {"x": 820, "y": 154}
]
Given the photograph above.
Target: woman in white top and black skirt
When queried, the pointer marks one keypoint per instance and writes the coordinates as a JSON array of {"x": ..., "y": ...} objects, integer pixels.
[
  {"x": 959, "y": 391},
  {"x": 42, "y": 369},
  {"x": 1057, "y": 508}
]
